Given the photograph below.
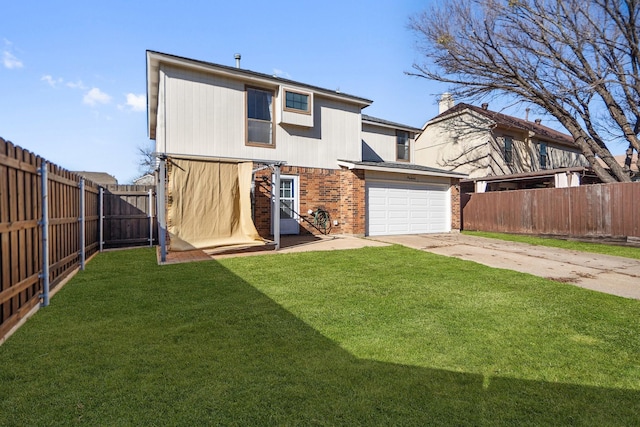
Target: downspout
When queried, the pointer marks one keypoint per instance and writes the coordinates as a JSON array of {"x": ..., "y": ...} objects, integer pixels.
[{"x": 45, "y": 236}]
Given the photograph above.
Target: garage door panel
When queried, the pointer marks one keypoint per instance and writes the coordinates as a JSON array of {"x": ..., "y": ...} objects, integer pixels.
[
  {"x": 398, "y": 214},
  {"x": 401, "y": 208},
  {"x": 419, "y": 215}
]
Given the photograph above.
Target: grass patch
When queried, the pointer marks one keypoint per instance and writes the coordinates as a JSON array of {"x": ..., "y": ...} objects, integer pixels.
[
  {"x": 598, "y": 248},
  {"x": 374, "y": 336}
]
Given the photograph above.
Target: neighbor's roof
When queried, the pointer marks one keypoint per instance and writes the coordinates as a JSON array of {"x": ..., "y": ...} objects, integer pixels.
[
  {"x": 621, "y": 158},
  {"x": 509, "y": 121},
  {"x": 100, "y": 178},
  {"x": 154, "y": 59},
  {"x": 409, "y": 168},
  {"x": 528, "y": 175},
  {"x": 388, "y": 124}
]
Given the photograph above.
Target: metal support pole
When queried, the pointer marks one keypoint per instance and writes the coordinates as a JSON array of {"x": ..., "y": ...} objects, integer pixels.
[
  {"x": 45, "y": 235},
  {"x": 82, "y": 225},
  {"x": 150, "y": 207},
  {"x": 276, "y": 207},
  {"x": 161, "y": 209},
  {"x": 101, "y": 218}
]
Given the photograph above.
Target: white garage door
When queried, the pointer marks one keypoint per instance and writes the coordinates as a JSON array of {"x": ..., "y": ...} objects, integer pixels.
[{"x": 407, "y": 208}]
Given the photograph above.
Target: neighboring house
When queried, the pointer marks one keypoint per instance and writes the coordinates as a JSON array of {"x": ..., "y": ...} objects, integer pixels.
[
  {"x": 482, "y": 143},
  {"x": 549, "y": 178},
  {"x": 100, "y": 178},
  {"x": 631, "y": 163},
  {"x": 329, "y": 155},
  {"x": 146, "y": 179}
]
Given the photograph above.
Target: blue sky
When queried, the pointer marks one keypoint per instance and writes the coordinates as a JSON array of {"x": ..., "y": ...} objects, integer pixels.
[{"x": 72, "y": 73}]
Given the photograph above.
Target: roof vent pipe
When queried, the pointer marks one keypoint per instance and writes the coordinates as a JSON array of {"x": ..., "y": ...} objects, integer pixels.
[
  {"x": 237, "y": 56},
  {"x": 485, "y": 106},
  {"x": 538, "y": 121}
]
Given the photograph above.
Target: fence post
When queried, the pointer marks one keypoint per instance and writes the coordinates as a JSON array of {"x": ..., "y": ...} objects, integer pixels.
[
  {"x": 45, "y": 235},
  {"x": 160, "y": 203},
  {"x": 150, "y": 217},
  {"x": 276, "y": 208},
  {"x": 101, "y": 218},
  {"x": 82, "y": 225}
]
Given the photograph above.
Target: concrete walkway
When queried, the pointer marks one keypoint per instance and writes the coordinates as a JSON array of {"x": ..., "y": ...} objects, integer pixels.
[
  {"x": 288, "y": 244},
  {"x": 603, "y": 273}
]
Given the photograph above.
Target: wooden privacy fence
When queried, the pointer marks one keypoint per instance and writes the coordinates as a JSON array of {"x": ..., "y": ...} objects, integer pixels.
[
  {"x": 51, "y": 221},
  {"x": 602, "y": 210},
  {"x": 129, "y": 217}
]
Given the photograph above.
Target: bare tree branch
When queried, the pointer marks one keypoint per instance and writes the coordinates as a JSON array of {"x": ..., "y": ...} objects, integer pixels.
[{"x": 576, "y": 59}]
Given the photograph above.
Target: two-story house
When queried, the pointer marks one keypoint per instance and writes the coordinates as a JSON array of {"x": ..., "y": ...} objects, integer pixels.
[
  {"x": 227, "y": 135},
  {"x": 483, "y": 143}
]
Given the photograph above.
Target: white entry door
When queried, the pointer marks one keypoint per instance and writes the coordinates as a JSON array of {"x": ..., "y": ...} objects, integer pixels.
[{"x": 289, "y": 205}]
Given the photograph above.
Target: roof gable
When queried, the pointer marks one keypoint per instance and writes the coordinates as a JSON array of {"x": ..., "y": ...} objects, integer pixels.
[
  {"x": 540, "y": 130},
  {"x": 155, "y": 59},
  {"x": 386, "y": 123}
]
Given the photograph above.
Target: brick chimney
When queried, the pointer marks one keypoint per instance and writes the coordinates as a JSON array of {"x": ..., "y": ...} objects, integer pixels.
[{"x": 446, "y": 102}]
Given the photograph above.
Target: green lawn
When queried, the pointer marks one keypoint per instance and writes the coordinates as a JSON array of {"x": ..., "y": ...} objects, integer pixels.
[
  {"x": 598, "y": 248},
  {"x": 374, "y": 336}
]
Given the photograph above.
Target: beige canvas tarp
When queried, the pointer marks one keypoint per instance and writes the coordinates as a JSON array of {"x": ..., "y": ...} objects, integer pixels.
[{"x": 209, "y": 205}]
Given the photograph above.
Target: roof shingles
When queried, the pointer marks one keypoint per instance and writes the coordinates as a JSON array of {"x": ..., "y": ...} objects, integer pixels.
[{"x": 510, "y": 121}]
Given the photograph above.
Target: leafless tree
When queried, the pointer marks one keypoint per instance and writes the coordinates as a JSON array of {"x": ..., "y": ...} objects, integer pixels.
[
  {"x": 578, "y": 60},
  {"x": 146, "y": 159}
]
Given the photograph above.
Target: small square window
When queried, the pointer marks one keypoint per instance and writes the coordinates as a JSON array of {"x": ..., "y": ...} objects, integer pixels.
[{"x": 296, "y": 101}]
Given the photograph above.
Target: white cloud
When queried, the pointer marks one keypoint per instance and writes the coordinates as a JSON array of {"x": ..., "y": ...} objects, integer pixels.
[
  {"x": 279, "y": 73},
  {"x": 51, "y": 81},
  {"x": 96, "y": 96},
  {"x": 137, "y": 102},
  {"x": 10, "y": 61},
  {"x": 77, "y": 85}
]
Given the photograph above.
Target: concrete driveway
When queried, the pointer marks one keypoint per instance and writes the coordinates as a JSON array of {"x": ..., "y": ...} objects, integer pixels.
[{"x": 604, "y": 273}]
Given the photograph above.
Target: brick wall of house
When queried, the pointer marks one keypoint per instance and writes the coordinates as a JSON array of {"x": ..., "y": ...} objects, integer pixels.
[
  {"x": 339, "y": 192},
  {"x": 456, "y": 218},
  {"x": 353, "y": 206}
]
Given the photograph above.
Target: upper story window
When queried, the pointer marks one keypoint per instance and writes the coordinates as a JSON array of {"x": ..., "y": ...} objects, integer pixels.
[
  {"x": 402, "y": 144},
  {"x": 260, "y": 129},
  {"x": 544, "y": 158},
  {"x": 508, "y": 150},
  {"x": 297, "y": 102}
]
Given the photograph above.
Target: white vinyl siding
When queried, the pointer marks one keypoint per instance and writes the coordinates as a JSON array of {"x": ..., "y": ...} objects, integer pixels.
[
  {"x": 205, "y": 115},
  {"x": 407, "y": 208},
  {"x": 382, "y": 141}
]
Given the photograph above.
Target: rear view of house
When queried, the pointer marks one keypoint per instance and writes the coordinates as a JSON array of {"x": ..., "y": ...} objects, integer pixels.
[{"x": 316, "y": 142}]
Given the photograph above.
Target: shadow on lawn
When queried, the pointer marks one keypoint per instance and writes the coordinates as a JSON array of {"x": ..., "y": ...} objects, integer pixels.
[{"x": 221, "y": 352}]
